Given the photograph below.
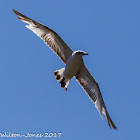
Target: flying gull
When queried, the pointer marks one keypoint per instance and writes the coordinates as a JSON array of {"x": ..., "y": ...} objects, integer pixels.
[{"x": 74, "y": 65}]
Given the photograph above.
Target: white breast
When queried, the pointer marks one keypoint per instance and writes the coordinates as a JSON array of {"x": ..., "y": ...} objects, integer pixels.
[{"x": 72, "y": 66}]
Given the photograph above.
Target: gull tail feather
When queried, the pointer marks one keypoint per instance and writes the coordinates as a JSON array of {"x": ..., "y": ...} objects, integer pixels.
[
  {"x": 59, "y": 75},
  {"x": 65, "y": 83}
]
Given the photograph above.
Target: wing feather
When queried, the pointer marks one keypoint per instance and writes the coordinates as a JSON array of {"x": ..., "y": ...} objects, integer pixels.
[
  {"x": 50, "y": 37},
  {"x": 91, "y": 87}
]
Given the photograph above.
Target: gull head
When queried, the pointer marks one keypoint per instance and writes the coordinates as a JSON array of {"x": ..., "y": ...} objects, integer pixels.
[{"x": 80, "y": 53}]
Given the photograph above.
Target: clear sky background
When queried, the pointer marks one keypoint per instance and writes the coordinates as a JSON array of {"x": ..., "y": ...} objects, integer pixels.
[{"x": 32, "y": 101}]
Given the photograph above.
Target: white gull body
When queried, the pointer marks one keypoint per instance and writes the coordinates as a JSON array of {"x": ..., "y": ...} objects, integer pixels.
[{"x": 74, "y": 64}]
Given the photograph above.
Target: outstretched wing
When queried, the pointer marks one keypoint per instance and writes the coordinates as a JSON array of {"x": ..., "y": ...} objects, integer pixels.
[
  {"x": 50, "y": 37},
  {"x": 91, "y": 87}
]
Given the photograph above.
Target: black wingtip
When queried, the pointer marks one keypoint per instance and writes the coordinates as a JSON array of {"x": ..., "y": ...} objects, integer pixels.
[
  {"x": 14, "y": 10},
  {"x": 110, "y": 122}
]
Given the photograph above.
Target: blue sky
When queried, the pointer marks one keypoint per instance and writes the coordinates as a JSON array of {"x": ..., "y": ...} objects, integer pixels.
[{"x": 32, "y": 101}]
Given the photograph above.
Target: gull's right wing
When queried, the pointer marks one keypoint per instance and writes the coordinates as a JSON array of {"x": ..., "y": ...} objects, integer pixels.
[
  {"x": 50, "y": 37},
  {"x": 91, "y": 87}
]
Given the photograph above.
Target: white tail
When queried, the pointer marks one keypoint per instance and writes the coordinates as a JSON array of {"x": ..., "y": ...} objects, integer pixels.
[{"x": 59, "y": 75}]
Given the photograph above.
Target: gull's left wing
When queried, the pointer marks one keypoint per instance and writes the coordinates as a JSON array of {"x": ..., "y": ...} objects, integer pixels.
[
  {"x": 50, "y": 37},
  {"x": 91, "y": 87}
]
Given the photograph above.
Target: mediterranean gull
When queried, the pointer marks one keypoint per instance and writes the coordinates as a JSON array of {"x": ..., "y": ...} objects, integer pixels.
[{"x": 74, "y": 65}]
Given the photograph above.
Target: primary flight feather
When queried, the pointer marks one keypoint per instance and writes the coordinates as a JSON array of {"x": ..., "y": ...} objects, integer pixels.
[{"x": 74, "y": 64}]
